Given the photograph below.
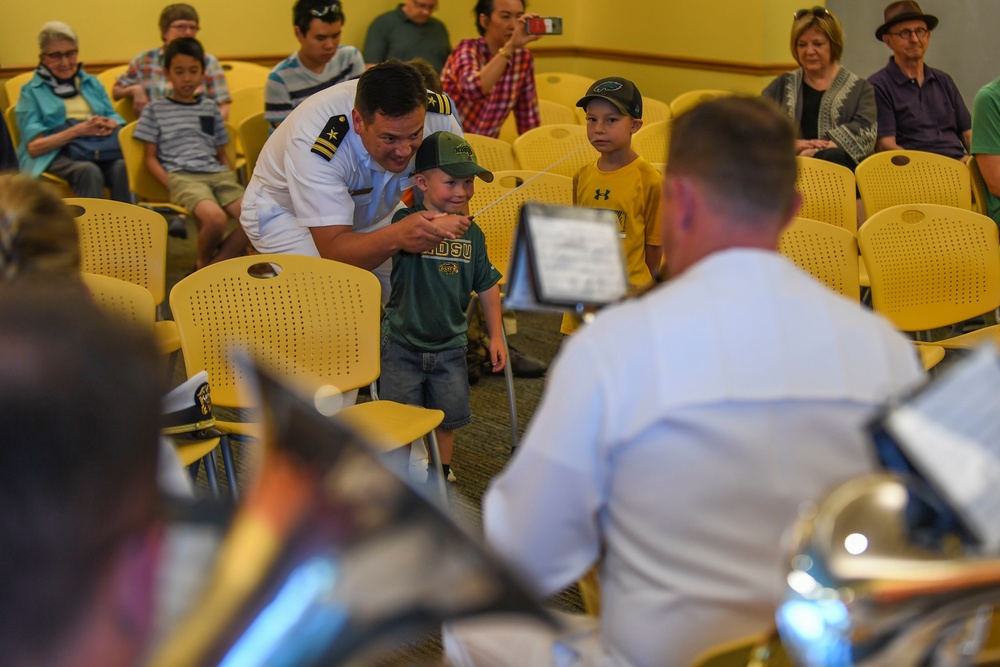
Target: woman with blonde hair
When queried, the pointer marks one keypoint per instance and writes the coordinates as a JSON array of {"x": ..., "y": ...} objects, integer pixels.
[{"x": 833, "y": 108}]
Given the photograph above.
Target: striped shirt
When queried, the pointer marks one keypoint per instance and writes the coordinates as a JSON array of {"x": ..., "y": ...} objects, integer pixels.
[
  {"x": 290, "y": 82},
  {"x": 186, "y": 135}
]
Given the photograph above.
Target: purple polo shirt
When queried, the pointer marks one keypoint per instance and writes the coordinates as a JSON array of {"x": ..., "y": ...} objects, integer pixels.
[{"x": 929, "y": 118}]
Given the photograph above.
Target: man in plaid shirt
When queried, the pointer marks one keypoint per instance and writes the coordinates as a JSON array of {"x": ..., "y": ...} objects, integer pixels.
[
  {"x": 145, "y": 79},
  {"x": 493, "y": 75}
]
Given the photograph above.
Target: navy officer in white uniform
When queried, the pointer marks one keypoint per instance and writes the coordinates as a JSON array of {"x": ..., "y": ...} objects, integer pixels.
[{"x": 330, "y": 176}]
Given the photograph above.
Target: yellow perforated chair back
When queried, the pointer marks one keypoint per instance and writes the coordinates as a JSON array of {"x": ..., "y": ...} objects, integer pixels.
[
  {"x": 693, "y": 98},
  {"x": 892, "y": 178},
  {"x": 13, "y": 86},
  {"x": 562, "y": 87},
  {"x": 828, "y": 253},
  {"x": 253, "y": 133},
  {"x": 978, "y": 187},
  {"x": 109, "y": 76},
  {"x": 240, "y": 74},
  {"x": 140, "y": 180},
  {"x": 10, "y": 116},
  {"x": 316, "y": 319},
  {"x": 123, "y": 241},
  {"x": 542, "y": 148},
  {"x": 494, "y": 154},
  {"x": 126, "y": 109},
  {"x": 828, "y": 193},
  {"x": 654, "y": 110},
  {"x": 499, "y": 222},
  {"x": 931, "y": 266},
  {"x": 553, "y": 113},
  {"x": 652, "y": 141},
  {"x": 246, "y": 102},
  {"x": 132, "y": 303}
]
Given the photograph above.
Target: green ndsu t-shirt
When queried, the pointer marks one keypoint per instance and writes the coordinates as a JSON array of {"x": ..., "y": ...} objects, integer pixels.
[{"x": 431, "y": 290}]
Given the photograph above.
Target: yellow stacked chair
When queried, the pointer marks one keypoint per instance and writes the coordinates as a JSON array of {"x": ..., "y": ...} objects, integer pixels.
[
  {"x": 554, "y": 113},
  {"x": 15, "y": 136},
  {"x": 129, "y": 243},
  {"x": 494, "y": 154},
  {"x": 891, "y": 178},
  {"x": 313, "y": 320},
  {"x": 253, "y": 132},
  {"x": 652, "y": 141},
  {"x": 241, "y": 74},
  {"x": 562, "y": 87},
  {"x": 560, "y": 149},
  {"x": 933, "y": 266}
]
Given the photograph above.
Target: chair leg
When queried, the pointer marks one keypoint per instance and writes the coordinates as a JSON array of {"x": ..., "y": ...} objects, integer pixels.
[
  {"x": 508, "y": 374},
  {"x": 434, "y": 456},
  {"x": 227, "y": 460},
  {"x": 211, "y": 474}
]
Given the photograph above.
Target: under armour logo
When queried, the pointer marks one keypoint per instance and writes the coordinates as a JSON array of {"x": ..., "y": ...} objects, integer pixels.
[{"x": 602, "y": 194}]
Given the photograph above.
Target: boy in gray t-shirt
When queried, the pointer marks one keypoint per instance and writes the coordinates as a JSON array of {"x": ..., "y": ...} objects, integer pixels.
[{"x": 185, "y": 150}]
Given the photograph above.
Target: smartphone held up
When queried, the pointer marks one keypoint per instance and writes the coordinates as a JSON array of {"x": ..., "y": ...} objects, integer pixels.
[{"x": 544, "y": 25}]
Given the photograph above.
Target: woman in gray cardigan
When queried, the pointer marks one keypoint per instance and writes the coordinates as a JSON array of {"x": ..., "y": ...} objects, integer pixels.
[{"x": 833, "y": 108}]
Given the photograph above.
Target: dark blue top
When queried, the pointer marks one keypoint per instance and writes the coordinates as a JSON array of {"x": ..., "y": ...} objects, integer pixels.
[{"x": 931, "y": 117}]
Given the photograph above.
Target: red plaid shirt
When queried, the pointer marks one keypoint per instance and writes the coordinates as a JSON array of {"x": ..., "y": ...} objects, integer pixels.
[{"x": 514, "y": 91}]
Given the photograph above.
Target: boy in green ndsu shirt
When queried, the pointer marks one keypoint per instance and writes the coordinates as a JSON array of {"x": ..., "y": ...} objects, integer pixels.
[{"x": 424, "y": 331}]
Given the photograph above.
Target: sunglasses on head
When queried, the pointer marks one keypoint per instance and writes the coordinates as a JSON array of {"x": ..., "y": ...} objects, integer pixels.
[
  {"x": 817, "y": 12},
  {"x": 324, "y": 11}
]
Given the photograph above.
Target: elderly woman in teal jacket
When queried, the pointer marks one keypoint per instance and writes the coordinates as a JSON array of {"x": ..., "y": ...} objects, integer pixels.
[{"x": 59, "y": 108}]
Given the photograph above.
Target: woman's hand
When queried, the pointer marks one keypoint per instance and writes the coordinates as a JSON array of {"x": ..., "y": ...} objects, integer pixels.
[
  {"x": 95, "y": 126},
  {"x": 521, "y": 36},
  {"x": 809, "y": 147}
]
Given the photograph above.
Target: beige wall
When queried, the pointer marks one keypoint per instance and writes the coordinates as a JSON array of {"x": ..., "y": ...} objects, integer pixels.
[{"x": 754, "y": 32}]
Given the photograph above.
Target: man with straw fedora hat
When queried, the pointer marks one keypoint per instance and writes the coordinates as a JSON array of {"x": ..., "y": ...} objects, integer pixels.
[{"x": 919, "y": 107}]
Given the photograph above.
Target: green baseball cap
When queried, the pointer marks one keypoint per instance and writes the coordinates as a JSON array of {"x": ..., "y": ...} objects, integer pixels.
[{"x": 451, "y": 154}]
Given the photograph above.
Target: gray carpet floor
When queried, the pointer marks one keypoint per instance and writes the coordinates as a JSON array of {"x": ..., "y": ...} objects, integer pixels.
[{"x": 481, "y": 449}]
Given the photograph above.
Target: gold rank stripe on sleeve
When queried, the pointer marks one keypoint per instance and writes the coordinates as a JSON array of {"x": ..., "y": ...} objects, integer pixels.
[
  {"x": 328, "y": 141},
  {"x": 438, "y": 103}
]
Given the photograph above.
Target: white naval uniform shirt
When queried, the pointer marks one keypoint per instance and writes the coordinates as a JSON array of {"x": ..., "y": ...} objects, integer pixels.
[
  {"x": 293, "y": 188},
  {"x": 678, "y": 435}
]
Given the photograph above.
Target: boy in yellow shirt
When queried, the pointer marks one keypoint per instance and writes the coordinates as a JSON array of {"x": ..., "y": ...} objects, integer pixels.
[{"x": 620, "y": 180}]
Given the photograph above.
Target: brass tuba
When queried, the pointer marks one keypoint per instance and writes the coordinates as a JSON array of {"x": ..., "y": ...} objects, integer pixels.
[{"x": 868, "y": 583}]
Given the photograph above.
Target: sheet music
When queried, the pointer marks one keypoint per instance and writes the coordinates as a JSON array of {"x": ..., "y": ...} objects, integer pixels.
[
  {"x": 951, "y": 432},
  {"x": 577, "y": 260}
]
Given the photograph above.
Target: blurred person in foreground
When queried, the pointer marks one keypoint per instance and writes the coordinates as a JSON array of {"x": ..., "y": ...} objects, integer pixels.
[{"x": 79, "y": 420}]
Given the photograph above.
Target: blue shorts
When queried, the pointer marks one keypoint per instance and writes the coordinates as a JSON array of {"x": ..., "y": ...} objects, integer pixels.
[{"x": 438, "y": 380}]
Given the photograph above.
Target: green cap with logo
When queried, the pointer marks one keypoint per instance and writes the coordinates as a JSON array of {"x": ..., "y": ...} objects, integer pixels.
[{"x": 451, "y": 154}]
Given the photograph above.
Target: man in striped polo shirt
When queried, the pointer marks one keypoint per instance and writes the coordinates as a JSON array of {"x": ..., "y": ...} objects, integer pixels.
[{"x": 320, "y": 62}]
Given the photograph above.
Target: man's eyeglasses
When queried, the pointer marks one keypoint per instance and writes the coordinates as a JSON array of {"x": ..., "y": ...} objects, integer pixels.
[
  {"x": 325, "y": 11},
  {"x": 185, "y": 26},
  {"x": 60, "y": 55},
  {"x": 906, "y": 33},
  {"x": 817, "y": 12}
]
